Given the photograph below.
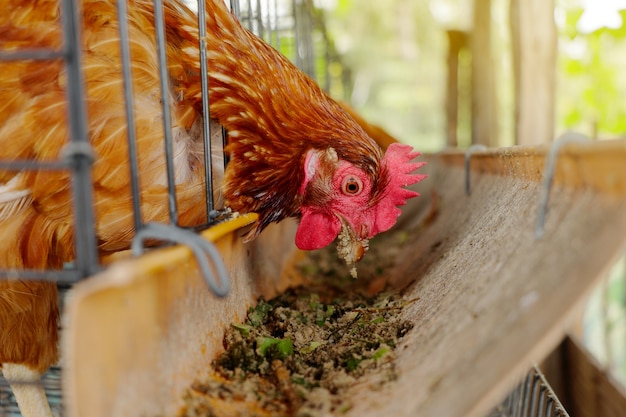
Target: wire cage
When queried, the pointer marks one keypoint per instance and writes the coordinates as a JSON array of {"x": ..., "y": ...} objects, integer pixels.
[
  {"x": 295, "y": 27},
  {"x": 533, "y": 397},
  {"x": 78, "y": 155}
]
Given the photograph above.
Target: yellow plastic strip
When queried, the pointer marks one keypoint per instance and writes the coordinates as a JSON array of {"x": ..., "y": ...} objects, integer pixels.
[
  {"x": 220, "y": 230},
  {"x": 212, "y": 234}
]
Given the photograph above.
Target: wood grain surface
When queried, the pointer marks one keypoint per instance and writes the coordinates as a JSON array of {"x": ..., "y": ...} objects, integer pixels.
[{"x": 492, "y": 298}]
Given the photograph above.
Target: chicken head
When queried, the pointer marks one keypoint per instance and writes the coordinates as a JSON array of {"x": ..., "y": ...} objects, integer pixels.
[{"x": 338, "y": 200}]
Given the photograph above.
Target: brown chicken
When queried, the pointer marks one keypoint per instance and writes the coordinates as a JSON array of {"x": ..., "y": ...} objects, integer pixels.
[{"x": 294, "y": 152}]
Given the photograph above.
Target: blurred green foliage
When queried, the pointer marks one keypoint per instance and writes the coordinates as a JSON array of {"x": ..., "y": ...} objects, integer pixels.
[
  {"x": 591, "y": 82},
  {"x": 395, "y": 54}
]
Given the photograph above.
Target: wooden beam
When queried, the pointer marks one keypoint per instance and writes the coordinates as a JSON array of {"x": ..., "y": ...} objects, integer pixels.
[
  {"x": 590, "y": 390},
  {"x": 581, "y": 383},
  {"x": 492, "y": 298},
  {"x": 457, "y": 40},
  {"x": 484, "y": 99},
  {"x": 533, "y": 34}
]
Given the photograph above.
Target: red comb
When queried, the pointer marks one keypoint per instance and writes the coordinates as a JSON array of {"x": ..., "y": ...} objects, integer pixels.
[{"x": 399, "y": 162}]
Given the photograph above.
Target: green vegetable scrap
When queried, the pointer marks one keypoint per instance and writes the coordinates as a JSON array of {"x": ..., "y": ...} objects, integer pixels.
[
  {"x": 301, "y": 353},
  {"x": 298, "y": 352}
]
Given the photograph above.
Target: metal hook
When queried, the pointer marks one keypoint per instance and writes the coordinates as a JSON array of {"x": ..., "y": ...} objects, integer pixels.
[
  {"x": 567, "y": 137},
  {"x": 468, "y": 156},
  {"x": 200, "y": 247}
]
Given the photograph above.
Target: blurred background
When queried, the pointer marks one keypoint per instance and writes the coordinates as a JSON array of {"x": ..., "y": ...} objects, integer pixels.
[
  {"x": 395, "y": 58},
  {"x": 391, "y": 61}
]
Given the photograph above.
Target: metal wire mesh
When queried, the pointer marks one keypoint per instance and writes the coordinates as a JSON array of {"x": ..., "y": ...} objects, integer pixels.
[
  {"x": 272, "y": 20},
  {"x": 78, "y": 155},
  {"x": 292, "y": 26},
  {"x": 533, "y": 397},
  {"x": 297, "y": 29},
  {"x": 51, "y": 381}
]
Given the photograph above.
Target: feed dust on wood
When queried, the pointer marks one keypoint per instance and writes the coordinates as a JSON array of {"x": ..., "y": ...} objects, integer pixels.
[{"x": 300, "y": 353}]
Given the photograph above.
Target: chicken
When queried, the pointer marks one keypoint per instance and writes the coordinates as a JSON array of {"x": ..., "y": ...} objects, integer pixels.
[{"x": 294, "y": 152}]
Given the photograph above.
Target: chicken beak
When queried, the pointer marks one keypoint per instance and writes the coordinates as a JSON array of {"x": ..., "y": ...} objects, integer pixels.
[{"x": 350, "y": 246}]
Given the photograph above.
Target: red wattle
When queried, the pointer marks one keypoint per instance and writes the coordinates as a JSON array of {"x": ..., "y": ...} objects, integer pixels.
[
  {"x": 385, "y": 218},
  {"x": 316, "y": 230}
]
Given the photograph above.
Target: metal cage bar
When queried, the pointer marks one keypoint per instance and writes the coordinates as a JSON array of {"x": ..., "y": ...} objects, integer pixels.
[
  {"x": 80, "y": 153},
  {"x": 159, "y": 22},
  {"x": 533, "y": 397},
  {"x": 131, "y": 131},
  {"x": 206, "y": 113},
  {"x": 215, "y": 271},
  {"x": 270, "y": 19},
  {"x": 77, "y": 156}
]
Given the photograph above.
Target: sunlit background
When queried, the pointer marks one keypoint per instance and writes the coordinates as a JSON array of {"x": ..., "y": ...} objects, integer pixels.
[{"x": 396, "y": 50}]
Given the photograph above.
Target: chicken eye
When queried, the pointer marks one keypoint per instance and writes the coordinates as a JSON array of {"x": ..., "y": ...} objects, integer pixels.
[{"x": 351, "y": 185}]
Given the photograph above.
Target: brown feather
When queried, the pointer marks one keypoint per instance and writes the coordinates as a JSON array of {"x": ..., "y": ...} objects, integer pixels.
[
  {"x": 273, "y": 113},
  {"x": 24, "y": 307}
]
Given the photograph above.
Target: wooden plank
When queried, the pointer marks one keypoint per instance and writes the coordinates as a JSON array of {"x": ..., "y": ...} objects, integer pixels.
[
  {"x": 457, "y": 41},
  {"x": 138, "y": 334},
  {"x": 484, "y": 102},
  {"x": 534, "y": 41},
  {"x": 552, "y": 368},
  {"x": 598, "y": 166},
  {"x": 493, "y": 299},
  {"x": 591, "y": 391}
]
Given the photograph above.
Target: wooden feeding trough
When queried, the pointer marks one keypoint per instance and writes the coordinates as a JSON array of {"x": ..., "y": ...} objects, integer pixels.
[{"x": 492, "y": 298}]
